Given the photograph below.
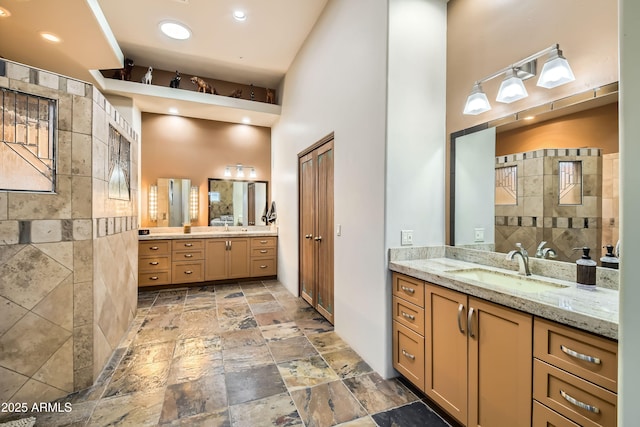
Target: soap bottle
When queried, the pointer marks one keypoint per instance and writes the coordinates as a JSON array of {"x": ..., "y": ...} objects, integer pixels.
[
  {"x": 586, "y": 271},
  {"x": 610, "y": 260}
]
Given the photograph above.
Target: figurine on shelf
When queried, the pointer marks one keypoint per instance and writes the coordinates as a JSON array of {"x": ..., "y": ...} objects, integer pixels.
[
  {"x": 124, "y": 73},
  {"x": 203, "y": 86},
  {"x": 253, "y": 95},
  {"x": 236, "y": 93},
  {"x": 270, "y": 96},
  {"x": 175, "y": 82},
  {"x": 148, "y": 76}
]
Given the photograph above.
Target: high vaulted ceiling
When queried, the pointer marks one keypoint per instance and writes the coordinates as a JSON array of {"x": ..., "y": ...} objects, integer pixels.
[{"x": 97, "y": 34}]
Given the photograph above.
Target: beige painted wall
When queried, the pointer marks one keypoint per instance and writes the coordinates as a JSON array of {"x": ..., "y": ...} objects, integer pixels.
[{"x": 180, "y": 147}]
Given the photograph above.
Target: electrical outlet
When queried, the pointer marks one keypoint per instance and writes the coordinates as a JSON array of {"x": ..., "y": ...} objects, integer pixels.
[
  {"x": 479, "y": 235},
  {"x": 406, "y": 237}
]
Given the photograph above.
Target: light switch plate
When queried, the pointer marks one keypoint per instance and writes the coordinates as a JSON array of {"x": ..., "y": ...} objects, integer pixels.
[
  {"x": 406, "y": 237},
  {"x": 479, "y": 235}
]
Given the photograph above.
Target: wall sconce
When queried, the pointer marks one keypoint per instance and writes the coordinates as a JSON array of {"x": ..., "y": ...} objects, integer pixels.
[
  {"x": 153, "y": 202},
  {"x": 193, "y": 203},
  {"x": 555, "y": 72}
]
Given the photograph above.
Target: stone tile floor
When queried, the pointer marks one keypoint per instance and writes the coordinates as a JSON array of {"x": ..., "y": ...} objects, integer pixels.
[{"x": 248, "y": 354}]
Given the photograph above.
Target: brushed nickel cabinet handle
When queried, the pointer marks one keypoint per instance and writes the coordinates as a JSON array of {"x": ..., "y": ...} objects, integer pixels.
[
  {"x": 318, "y": 239},
  {"x": 264, "y": 251},
  {"x": 154, "y": 263},
  {"x": 579, "y": 404},
  {"x": 230, "y": 242},
  {"x": 408, "y": 316},
  {"x": 469, "y": 324},
  {"x": 580, "y": 356},
  {"x": 188, "y": 272},
  {"x": 153, "y": 248},
  {"x": 406, "y": 289},
  {"x": 308, "y": 236},
  {"x": 188, "y": 255},
  {"x": 153, "y": 278},
  {"x": 263, "y": 241},
  {"x": 409, "y": 355},
  {"x": 188, "y": 244},
  {"x": 263, "y": 266},
  {"x": 460, "y": 310}
]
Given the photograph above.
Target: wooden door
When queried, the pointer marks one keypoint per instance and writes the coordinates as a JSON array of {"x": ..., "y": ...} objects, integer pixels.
[
  {"x": 251, "y": 203},
  {"x": 500, "y": 354},
  {"x": 446, "y": 374},
  {"x": 238, "y": 254},
  {"x": 307, "y": 228},
  {"x": 215, "y": 259},
  {"x": 324, "y": 230}
]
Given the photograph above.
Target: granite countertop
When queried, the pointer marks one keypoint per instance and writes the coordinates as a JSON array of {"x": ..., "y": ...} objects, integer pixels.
[
  {"x": 593, "y": 311},
  {"x": 172, "y": 233}
]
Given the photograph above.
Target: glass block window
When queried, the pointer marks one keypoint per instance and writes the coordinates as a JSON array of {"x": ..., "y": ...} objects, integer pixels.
[
  {"x": 570, "y": 179},
  {"x": 27, "y": 135},
  {"x": 119, "y": 165},
  {"x": 507, "y": 185}
]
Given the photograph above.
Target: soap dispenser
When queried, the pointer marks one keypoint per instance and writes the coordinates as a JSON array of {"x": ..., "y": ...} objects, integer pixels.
[
  {"x": 586, "y": 270},
  {"x": 610, "y": 260}
]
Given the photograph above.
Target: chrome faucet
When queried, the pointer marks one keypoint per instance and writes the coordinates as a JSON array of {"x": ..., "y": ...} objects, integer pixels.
[
  {"x": 523, "y": 259},
  {"x": 543, "y": 252}
]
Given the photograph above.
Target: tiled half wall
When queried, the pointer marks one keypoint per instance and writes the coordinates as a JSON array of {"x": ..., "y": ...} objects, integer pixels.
[{"x": 67, "y": 259}]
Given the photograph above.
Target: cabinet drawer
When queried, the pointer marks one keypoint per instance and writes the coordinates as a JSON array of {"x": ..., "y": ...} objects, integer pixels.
[
  {"x": 581, "y": 401},
  {"x": 187, "y": 272},
  {"x": 545, "y": 417},
  {"x": 187, "y": 255},
  {"x": 156, "y": 263},
  {"x": 262, "y": 242},
  {"x": 409, "y": 315},
  {"x": 408, "y": 354},
  {"x": 154, "y": 278},
  {"x": 409, "y": 289},
  {"x": 586, "y": 355},
  {"x": 263, "y": 267},
  {"x": 155, "y": 247},
  {"x": 187, "y": 244},
  {"x": 263, "y": 252}
]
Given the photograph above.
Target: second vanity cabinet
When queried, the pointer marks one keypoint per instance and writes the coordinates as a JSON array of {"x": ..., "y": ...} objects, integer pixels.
[
  {"x": 477, "y": 358},
  {"x": 227, "y": 258}
]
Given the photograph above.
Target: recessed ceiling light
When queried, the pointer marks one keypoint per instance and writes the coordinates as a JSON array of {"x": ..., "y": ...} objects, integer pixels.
[
  {"x": 175, "y": 30},
  {"x": 173, "y": 110},
  {"x": 50, "y": 37},
  {"x": 4, "y": 12},
  {"x": 529, "y": 118},
  {"x": 239, "y": 15},
  {"x": 246, "y": 120}
]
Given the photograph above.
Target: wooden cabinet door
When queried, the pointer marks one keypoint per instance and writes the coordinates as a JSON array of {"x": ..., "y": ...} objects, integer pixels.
[
  {"x": 446, "y": 350},
  {"x": 307, "y": 228},
  {"x": 500, "y": 354},
  {"x": 324, "y": 230},
  {"x": 238, "y": 254},
  {"x": 215, "y": 259}
]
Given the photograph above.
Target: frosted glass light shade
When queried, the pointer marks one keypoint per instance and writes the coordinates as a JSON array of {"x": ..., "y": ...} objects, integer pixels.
[
  {"x": 193, "y": 203},
  {"x": 477, "y": 102},
  {"x": 556, "y": 71},
  {"x": 511, "y": 89},
  {"x": 153, "y": 202}
]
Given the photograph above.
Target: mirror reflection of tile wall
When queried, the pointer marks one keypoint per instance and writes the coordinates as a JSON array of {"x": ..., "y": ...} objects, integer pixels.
[{"x": 539, "y": 214}]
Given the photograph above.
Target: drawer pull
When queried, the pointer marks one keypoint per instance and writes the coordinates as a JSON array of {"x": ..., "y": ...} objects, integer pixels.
[
  {"x": 188, "y": 244},
  {"x": 188, "y": 272},
  {"x": 188, "y": 255},
  {"x": 580, "y": 356},
  {"x": 154, "y": 263},
  {"x": 153, "y": 278},
  {"x": 409, "y": 355},
  {"x": 579, "y": 404},
  {"x": 408, "y": 316},
  {"x": 263, "y": 266},
  {"x": 460, "y": 310},
  {"x": 264, "y": 251},
  {"x": 153, "y": 248},
  {"x": 263, "y": 241},
  {"x": 406, "y": 289}
]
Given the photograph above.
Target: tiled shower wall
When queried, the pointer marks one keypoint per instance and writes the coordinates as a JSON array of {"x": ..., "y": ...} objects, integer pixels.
[
  {"x": 538, "y": 216},
  {"x": 67, "y": 288}
]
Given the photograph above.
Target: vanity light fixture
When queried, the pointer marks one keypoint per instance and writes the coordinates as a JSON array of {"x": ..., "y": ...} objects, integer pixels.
[
  {"x": 555, "y": 72},
  {"x": 239, "y": 171},
  {"x": 193, "y": 203},
  {"x": 227, "y": 171},
  {"x": 175, "y": 30},
  {"x": 153, "y": 202},
  {"x": 252, "y": 173}
]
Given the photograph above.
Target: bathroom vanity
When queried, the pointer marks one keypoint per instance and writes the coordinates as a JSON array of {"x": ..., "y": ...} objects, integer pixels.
[
  {"x": 492, "y": 347},
  {"x": 206, "y": 254}
]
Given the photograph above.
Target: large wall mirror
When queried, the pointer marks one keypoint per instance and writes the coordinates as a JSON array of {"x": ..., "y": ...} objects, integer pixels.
[
  {"x": 240, "y": 203},
  {"x": 549, "y": 174},
  {"x": 173, "y": 202}
]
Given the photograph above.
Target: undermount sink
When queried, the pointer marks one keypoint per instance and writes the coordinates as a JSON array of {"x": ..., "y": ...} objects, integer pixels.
[{"x": 506, "y": 280}]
